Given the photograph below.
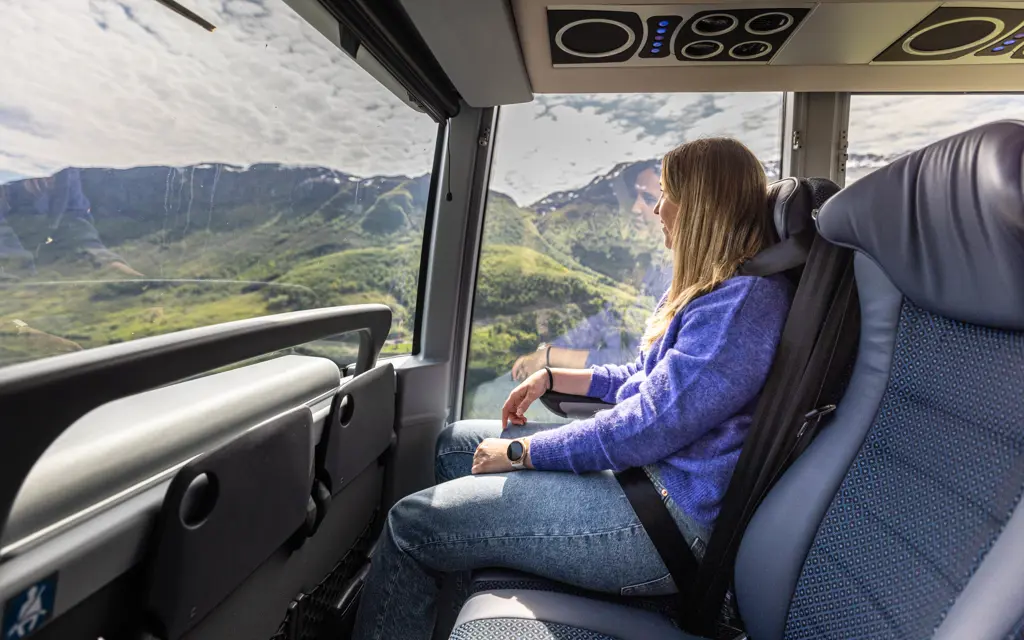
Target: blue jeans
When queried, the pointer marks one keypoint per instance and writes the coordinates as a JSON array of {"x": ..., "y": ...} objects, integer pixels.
[{"x": 577, "y": 529}]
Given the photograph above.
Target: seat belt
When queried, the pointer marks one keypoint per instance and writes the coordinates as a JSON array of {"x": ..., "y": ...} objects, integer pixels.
[{"x": 660, "y": 526}]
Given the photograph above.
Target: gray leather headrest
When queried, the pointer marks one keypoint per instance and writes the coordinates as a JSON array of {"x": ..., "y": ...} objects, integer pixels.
[
  {"x": 946, "y": 224},
  {"x": 791, "y": 205}
]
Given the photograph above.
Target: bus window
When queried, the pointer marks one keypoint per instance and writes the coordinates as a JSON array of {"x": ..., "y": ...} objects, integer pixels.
[
  {"x": 886, "y": 126},
  {"x": 572, "y": 261},
  {"x": 156, "y": 176}
]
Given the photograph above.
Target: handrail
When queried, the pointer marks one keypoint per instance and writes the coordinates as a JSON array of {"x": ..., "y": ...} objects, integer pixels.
[{"x": 39, "y": 400}]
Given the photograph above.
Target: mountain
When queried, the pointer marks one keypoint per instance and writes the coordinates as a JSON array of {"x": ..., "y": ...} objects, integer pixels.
[{"x": 217, "y": 242}]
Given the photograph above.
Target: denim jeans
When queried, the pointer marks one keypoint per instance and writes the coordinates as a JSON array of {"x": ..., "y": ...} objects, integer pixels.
[{"x": 576, "y": 529}]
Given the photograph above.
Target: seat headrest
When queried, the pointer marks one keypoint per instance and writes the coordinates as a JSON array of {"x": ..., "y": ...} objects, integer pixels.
[
  {"x": 946, "y": 224},
  {"x": 791, "y": 203}
]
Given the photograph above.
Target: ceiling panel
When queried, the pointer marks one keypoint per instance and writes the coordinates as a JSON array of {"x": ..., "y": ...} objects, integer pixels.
[{"x": 828, "y": 46}]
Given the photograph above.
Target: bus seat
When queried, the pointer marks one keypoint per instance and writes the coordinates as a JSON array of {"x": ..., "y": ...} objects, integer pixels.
[
  {"x": 903, "y": 518},
  {"x": 793, "y": 203}
]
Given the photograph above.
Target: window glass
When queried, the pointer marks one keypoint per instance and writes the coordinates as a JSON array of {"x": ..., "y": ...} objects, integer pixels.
[
  {"x": 155, "y": 176},
  {"x": 885, "y": 127},
  {"x": 572, "y": 253}
]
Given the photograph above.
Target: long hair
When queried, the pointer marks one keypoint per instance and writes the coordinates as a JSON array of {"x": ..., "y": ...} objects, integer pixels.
[{"x": 722, "y": 193}]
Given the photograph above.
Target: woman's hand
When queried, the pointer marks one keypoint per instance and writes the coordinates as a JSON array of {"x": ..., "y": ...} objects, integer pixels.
[
  {"x": 522, "y": 397},
  {"x": 492, "y": 457},
  {"x": 527, "y": 365}
]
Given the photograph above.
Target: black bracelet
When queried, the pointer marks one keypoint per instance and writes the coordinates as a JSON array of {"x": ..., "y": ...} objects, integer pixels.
[
  {"x": 547, "y": 357},
  {"x": 551, "y": 379}
]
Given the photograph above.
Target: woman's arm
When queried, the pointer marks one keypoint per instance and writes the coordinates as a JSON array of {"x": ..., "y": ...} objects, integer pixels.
[
  {"x": 571, "y": 381},
  {"x": 551, "y": 356},
  {"x": 575, "y": 382},
  {"x": 717, "y": 365},
  {"x": 607, "y": 379}
]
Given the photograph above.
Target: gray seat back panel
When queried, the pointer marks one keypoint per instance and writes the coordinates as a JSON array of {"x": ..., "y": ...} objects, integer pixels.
[{"x": 780, "y": 534}]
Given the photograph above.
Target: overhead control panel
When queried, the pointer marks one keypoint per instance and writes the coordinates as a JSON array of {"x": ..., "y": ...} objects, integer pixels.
[
  {"x": 786, "y": 33},
  {"x": 671, "y": 35},
  {"x": 961, "y": 35}
]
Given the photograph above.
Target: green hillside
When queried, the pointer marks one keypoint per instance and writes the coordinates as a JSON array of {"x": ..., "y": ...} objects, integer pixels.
[{"x": 218, "y": 243}]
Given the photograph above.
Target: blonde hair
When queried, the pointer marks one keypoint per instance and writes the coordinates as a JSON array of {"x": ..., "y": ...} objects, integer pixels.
[{"x": 722, "y": 194}]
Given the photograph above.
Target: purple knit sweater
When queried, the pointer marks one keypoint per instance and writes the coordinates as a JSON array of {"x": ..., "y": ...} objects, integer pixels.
[{"x": 685, "y": 404}]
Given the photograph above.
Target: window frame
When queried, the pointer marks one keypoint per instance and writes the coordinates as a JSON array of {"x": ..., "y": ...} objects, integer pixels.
[
  {"x": 460, "y": 366},
  {"x": 436, "y": 168}
]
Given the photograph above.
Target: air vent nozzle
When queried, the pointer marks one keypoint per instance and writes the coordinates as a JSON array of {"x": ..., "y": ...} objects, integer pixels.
[
  {"x": 769, "y": 23},
  {"x": 750, "y": 50},
  {"x": 715, "y": 24}
]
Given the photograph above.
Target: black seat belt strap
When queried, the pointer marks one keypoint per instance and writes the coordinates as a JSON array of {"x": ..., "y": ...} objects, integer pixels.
[{"x": 661, "y": 528}]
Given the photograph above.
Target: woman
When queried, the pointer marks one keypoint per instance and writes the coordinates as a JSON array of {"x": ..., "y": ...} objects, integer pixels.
[{"x": 682, "y": 412}]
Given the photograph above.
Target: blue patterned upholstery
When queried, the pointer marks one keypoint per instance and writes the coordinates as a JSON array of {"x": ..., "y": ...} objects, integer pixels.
[
  {"x": 938, "y": 476},
  {"x": 520, "y": 629}
]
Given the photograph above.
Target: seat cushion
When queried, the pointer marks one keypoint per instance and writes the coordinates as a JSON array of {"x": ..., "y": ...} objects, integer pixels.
[
  {"x": 512, "y": 614},
  {"x": 509, "y": 579}
]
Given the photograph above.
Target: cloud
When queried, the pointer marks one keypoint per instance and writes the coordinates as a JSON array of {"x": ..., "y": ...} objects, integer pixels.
[
  {"x": 121, "y": 83},
  {"x": 893, "y": 124},
  {"x": 128, "y": 83},
  {"x": 560, "y": 142}
]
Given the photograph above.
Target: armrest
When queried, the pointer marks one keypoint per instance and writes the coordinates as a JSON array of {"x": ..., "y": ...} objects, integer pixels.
[{"x": 572, "y": 407}]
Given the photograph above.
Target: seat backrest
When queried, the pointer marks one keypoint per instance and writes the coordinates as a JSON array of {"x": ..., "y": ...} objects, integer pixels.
[{"x": 903, "y": 518}]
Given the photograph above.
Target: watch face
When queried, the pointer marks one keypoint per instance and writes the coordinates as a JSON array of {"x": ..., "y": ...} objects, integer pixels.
[{"x": 515, "y": 451}]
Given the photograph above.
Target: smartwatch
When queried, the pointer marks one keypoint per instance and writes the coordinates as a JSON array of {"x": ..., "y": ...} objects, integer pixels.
[{"x": 516, "y": 452}]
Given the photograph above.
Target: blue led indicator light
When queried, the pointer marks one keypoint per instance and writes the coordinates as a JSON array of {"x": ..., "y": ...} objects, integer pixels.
[
  {"x": 659, "y": 37},
  {"x": 1010, "y": 43},
  {"x": 998, "y": 48},
  {"x": 661, "y": 30},
  {"x": 663, "y": 23},
  {"x": 1019, "y": 36},
  {"x": 656, "y": 45}
]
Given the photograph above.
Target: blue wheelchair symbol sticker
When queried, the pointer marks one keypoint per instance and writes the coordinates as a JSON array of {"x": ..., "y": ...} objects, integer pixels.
[{"x": 27, "y": 612}]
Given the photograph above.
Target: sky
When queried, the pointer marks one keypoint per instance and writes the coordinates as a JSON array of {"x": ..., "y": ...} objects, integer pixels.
[{"x": 122, "y": 83}]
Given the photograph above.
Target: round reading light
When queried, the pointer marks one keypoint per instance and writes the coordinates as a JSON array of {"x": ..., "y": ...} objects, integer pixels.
[
  {"x": 750, "y": 50},
  {"x": 715, "y": 24},
  {"x": 601, "y": 30},
  {"x": 702, "y": 49},
  {"x": 952, "y": 36},
  {"x": 768, "y": 23}
]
